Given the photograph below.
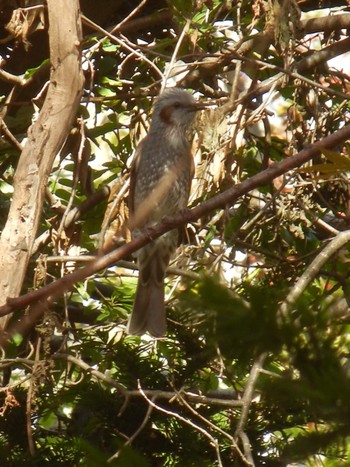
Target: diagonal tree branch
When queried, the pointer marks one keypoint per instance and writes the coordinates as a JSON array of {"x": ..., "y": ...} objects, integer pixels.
[
  {"x": 341, "y": 239},
  {"x": 229, "y": 196}
]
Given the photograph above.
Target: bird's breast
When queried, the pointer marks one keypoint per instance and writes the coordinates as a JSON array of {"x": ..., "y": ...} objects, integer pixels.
[{"x": 163, "y": 180}]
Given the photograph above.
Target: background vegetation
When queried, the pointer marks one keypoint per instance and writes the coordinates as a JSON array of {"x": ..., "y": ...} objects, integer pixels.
[{"x": 254, "y": 369}]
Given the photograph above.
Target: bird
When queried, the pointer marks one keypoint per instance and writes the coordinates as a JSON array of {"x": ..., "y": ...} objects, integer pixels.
[{"x": 160, "y": 183}]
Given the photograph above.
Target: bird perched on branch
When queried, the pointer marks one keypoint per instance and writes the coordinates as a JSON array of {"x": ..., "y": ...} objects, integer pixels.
[{"x": 160, "y": 183}]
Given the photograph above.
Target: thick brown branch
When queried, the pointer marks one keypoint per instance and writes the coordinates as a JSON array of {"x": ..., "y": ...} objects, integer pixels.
[
  {"x": 309, "y": 26},
  {"x": 324, "y": 24},
  {"x": 45, "y": 138},
  {"x": 322, "y": 56}
]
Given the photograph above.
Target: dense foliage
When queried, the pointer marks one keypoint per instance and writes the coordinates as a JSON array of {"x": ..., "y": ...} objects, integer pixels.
[{"x": 244, "y": 376}]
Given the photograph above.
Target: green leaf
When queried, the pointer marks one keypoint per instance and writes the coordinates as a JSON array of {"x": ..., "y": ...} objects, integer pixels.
[{"x": 31, "y": 71}]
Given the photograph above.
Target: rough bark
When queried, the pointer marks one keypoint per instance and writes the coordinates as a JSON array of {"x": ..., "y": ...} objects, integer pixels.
[{"x": 45, "y": 138}]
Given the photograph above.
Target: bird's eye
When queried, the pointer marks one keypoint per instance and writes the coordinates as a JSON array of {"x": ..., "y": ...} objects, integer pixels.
[{"x": 177, "y": 105}]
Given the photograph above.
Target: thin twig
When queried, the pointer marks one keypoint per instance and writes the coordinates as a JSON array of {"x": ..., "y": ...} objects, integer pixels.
[
  {"x": 30, "y": 398},
  {"x": 134, "y": 435},
  {"x": 84, "y": 366},
  {"x": 116, "y": 202},
  {"x": 212, "y": 426},
  {"x": 249, "y": 392},
  {"x": 129, "y": 16},
  {"x": 9, "y": 136},
  {"x": 212, "y": 440},
  {"x": 77, "y": 169},
  {"x": 312, "y": 270},
  {"x": 247, "y": 400},
  {"x": 122, "y": 43},
  {"x": 195, "y": 398},
  {"x": 176, "y": 50},
  {"x": 265, "y": 86}
]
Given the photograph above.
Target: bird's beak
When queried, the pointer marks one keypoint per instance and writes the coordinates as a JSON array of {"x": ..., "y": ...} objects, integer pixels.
[{"x": 198, "y": 106}]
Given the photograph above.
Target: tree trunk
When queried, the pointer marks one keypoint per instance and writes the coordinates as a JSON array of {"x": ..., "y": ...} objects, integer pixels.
[{"x": 45, "y": 138}]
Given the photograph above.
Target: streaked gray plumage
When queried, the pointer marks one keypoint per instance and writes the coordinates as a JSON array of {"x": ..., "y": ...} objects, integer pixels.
[{"x": 160, "y": 184}]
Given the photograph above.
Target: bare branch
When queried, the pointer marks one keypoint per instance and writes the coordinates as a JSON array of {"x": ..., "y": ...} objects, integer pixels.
[
  {"x": 135, "y": 434},
  {"x": 247, "y": 400},
  {"x": 325, "y": 24},
  {"x": 123, "y": 43},
  {"x": 10, "y": 78},
  {"x": 88, "y": 369},
  {"x": 130, "y": 15},
  {"x": 212, "y": 440},
  {"x": 312, "y": 270},
  {"x": 213, "y": 427},
  {"x": 322, "y": 56}
]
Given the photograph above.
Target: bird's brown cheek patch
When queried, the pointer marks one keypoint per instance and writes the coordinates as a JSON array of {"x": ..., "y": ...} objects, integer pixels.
[{"x": 165, "y": 115}]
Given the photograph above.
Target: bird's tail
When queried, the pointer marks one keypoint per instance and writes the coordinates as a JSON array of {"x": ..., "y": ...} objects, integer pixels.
[{"x": 148, "y": 313}]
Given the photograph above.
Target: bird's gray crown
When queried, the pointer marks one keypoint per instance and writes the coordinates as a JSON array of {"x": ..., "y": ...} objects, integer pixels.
[
  {"x": 174, "y": 108},
  {"x": 173, "y": 96}
]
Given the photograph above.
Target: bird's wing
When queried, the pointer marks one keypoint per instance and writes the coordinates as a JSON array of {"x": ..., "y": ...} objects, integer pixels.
[
  {"x": 193, "y": 168},
  {"x": 133, "y": 176}
]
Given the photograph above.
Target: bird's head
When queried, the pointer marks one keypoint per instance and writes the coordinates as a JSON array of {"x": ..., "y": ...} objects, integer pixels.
[{"x": 175, "y": 109}]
